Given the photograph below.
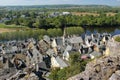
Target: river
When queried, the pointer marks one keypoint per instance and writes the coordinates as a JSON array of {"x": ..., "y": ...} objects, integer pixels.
[{"x": 112, "y": 30}]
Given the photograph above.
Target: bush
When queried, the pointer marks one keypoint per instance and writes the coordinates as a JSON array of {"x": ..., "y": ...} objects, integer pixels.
[
  {"x": 31, "y": 33},
  {"x": 117, "y": 38},
  {"x": 74, "y": 30},
  {"x": 54, "y": 32},
  {"x": 76, "y": 66}
]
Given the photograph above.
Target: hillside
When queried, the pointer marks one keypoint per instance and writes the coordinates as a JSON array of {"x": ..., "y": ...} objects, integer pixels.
[{"x": 105, "y": 68}]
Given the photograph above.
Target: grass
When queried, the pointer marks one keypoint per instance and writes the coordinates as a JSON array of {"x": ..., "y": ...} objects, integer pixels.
[
  {"x": 11, "y": 28},
  {"x": 84, "y": 13},
  {"x": 111, "y": 14},
  {"x": 93, "y": 14}
]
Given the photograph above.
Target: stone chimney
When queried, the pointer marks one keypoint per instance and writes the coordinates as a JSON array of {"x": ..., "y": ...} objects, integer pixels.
[{"x": 96, "y": 48}]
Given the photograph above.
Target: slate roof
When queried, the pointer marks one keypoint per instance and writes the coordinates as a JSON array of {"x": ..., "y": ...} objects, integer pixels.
[
  {"x": 75, "y": 40},
  {"x": 59, "y": 41},
  {"x": 65, "y": 53},
  {"x": 43, "y": 45},
  {"x": 68, "y": 48},
  {"x": 96, "y": 54},
  {"x": 42, "y": 65},
  {"x": 61, "y": 62},
  {"x": 50, "y": 52},
  {"x": 54, "y": 44},
  {"x": 46, "y": 38}
]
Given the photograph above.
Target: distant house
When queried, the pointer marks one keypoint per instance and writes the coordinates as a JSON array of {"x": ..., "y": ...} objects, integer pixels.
[
  {"x": 65, "y": 13},
  {"x": 5, "y": 19},
  {"x": 57, "y": 62},
  {"x": 14, "y": 17},
  {"x": 23, "y": 16},
  {"x": 54, "y": 14},
  {"x": 1, "y": 21}
]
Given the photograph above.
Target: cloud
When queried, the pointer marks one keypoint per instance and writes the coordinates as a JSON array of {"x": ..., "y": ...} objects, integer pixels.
[{"x": 118, "y": 0}]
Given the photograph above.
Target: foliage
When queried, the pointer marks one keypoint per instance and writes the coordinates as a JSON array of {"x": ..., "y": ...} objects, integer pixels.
[
  {"x": 54, "y": 32},
  {"x": 76, "y": 66},
  {"x": 74, "y": 30},
  {"x": 12, "y": 26},
  {"x": 43, "y": 19},
  {"x": 30, "y": 33},
  {"x": 117, "y": 38}
]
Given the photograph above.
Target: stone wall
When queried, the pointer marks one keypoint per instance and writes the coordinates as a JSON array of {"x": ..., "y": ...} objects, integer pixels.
[{"x": 104, "y": 68}]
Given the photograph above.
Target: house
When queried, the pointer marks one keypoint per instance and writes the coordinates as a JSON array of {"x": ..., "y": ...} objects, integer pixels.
[
  {"x": 87, "y": 43},
  {"x": 65, "y": 13},
  {"x": 57, "y": 62},
  {"x": 42, "y": 67},
  {"x": 104, "y": 40},
  {"x": 59, "y": 41},
  {"x": 43, "y": 46},
  {"x": 75, "y": 42},
  {"x": 106, "y": 52},
  {"x": 22, "y": 16},
  {"x": 50, "y": 52},
  {"x": 84, "y": 49},
  {"x": 54, "y": 46},
  {"x": 19, "y": 64},
  {"x": 66, "y": 54},
  {"x": 46, "y": 39},
  {"x": 30, "y": 45},
  {"x": 96, "y": 48},
  {"x": 95, "y": 54},
  {"x": 30, "y": 76},
  {"x": 1, "y": 21},
  {"x": 33, "y": 57},
  {"x": 54, "y": 14},
  {"x": 5, "y": 19},
  {"x": 85, "y": 56}
]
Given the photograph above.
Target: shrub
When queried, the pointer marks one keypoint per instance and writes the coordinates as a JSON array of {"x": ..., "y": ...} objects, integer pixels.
[{"x": 117, "y": 38}]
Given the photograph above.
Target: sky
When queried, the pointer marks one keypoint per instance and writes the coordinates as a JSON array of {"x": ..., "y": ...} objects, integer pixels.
[{"x": 50, "y": 2}]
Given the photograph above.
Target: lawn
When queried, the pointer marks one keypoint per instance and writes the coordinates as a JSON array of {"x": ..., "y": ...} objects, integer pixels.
[{"x": 11, "y": 28}]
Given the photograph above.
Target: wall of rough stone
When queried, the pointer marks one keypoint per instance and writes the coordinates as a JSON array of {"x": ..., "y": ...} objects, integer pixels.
[{"x": 104, "y": 68}]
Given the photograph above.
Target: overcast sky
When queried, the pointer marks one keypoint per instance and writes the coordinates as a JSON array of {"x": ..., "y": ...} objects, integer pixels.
[{"x": 47, "y": 2}]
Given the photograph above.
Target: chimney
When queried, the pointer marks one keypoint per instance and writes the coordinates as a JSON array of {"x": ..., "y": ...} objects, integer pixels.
[
  {"x": 96, "y": 48},
  {"x": 64, "y": 36}
]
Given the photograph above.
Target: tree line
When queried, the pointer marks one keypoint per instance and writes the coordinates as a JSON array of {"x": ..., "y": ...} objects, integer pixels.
[
  {"x": 44, "y": 22},
  {"x": 38, "y": 33}
]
